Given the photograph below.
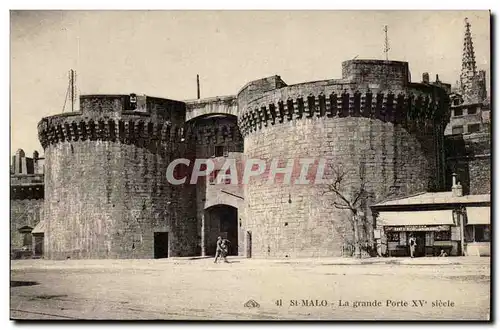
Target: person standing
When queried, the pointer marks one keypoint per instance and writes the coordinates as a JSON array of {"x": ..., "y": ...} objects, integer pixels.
[
  {"x": 413, "y": 245},
  {"x": 218, "y": 249}
]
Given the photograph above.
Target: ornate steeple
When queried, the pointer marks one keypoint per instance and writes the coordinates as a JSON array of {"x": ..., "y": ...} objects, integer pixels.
[
  {"x": 469, "y": 79},
  {"x": 468, "y": 58}
]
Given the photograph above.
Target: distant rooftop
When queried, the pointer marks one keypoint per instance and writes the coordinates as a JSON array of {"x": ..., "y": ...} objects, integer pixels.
[{"x": 428, "y": 198}]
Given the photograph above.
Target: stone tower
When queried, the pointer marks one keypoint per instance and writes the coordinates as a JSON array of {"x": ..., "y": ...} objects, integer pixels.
[
  {"x": 385, "y": 132},
  {"x": 105, "y": 182}
]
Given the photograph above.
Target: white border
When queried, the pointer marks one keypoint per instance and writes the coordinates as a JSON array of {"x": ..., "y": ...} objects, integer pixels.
[
  {"x": 256, "y": 4},
  {"x": 185, "y": 4}
]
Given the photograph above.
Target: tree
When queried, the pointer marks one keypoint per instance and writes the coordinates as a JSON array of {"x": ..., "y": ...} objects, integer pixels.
[{"x": 349, "y": 197}]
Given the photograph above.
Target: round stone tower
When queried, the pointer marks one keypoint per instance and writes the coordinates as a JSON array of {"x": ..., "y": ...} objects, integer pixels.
[
  {"x": 106, "y": 192},
  {"x": 379, "y": 133}
]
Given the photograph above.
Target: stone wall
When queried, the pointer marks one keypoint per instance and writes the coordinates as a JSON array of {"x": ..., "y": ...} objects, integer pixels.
[
  {"x": 375, "y": 74},
  {"x": 208, "y": 106},
  {"x": 23, "y": 213},
  {"x": 26, "y": 179},
  {"x": 300, "y": 220},
  {"x": 111, "y": 201},
  {"x": 469, "y": 156},
  {"x": 26, "y": 201},
  {"x": 480, "y": 174}
]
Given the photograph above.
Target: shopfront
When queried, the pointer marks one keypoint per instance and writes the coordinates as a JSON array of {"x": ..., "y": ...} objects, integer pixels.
[
  {"x": 434, "y": 232},
  {"x": 477, "y": 231},
  {"x": 440, "y": 222}
]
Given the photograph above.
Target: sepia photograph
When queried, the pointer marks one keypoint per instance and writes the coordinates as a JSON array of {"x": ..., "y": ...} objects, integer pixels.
[{"x": 250, "y": 165}]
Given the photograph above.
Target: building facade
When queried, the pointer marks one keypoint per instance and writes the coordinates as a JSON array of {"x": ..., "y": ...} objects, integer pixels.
[
  {"x": 106, "y": 193},
  {"x": 26, "y": 204},
  {"x": 458, "y": 221},
  {"x": 468, "y": 135},
  {"x": 448, "y": 222}
]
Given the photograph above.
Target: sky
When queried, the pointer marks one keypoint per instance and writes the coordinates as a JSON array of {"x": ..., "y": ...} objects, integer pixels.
[{"x": 159, "y": 53}]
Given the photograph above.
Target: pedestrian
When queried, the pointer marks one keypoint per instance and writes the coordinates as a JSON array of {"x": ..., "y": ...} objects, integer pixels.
[
  {"x": 218, "y": 249},
  {"x": 413, "y": 245},
  {"x": 225, "y": 249}
]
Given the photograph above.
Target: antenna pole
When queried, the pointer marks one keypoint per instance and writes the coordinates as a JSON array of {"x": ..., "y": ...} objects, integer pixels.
[
  {"x": 198, "y": 86},
  {"x": 386, "y": 44},
  {"x": 72, "y": 88}
]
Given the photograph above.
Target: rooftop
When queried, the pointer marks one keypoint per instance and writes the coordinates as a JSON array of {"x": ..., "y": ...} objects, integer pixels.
[{"x": 428, "y": 198}]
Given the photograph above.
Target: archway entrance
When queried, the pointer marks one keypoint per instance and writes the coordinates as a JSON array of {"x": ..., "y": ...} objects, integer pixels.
[{"x": 221, "y": 220}]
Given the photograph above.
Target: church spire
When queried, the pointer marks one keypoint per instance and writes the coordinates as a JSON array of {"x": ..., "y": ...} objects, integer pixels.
[
  {"x": 468, "y": 74},
  {"x": 468, "y": 58}
]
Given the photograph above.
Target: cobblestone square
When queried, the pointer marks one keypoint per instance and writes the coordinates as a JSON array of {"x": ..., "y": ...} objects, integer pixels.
[{"x": 305, "y": 289}]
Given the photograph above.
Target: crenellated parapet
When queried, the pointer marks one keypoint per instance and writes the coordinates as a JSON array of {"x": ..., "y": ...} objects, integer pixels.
[
  {"x": 26, "y": 186},
  {"x": 407, "y": 109},
  {"x": 27, "y": 192},
  {"x": 214, "y": 134},
  {"x": 373, "y": 89},
  {"x": 142, "y": 121},
  {"x": 213, "y": 130},
  {"x": 135, "y": 130}
]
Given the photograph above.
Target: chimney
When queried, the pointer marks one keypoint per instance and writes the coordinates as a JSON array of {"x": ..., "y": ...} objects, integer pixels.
[
  {"x": 437, "y": 78},
  {"x": 456, "y": 188},
  {"x": 425, "y": 77}
]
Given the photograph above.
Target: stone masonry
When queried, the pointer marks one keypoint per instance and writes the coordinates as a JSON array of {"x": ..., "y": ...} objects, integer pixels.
[
  {"x": 26, "y": 200},
  {"x": 105, "y": 183},
  {"x": 106, "y": 194},
  {"x": 469, "y": 156}
]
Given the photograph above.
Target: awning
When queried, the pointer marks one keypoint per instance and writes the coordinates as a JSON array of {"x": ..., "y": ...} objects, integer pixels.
[
  {"x": 25, "y": 229},
  {"x": 416, "y": 218},
  {"x": 478, "y": 215},
  {"x": 39, "y": 228}
]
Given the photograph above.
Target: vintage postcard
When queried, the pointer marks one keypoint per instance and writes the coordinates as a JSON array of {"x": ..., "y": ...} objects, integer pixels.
[{"x": 250, "y": 165}]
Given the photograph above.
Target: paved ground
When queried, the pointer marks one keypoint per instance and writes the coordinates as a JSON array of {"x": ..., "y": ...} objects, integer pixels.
[{"x": 199, "y": 289}]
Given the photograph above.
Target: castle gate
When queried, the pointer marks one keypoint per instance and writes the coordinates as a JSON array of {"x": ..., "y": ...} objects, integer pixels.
[{"x": 221, "y": 220}]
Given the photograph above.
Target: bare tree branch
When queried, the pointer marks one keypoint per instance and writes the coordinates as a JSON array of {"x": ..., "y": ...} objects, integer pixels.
[
  {"x": 360, "y": 193},
  {"x": 342, "y": 207},
  {"x": 347, "y": 198}
]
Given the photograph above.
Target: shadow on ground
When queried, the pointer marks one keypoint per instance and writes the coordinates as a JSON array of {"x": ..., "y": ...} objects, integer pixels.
[{"x": 22, "y": 283}]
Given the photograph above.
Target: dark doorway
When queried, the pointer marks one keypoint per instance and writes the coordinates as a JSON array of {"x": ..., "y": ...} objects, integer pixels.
[
  {"x": 229, "y": 229},
  {"x": 161, "y": 245},
  {"x": 222, "y": 220},
  {"x": 38, "y": 244},
  {"x": 420, "y": 240}
]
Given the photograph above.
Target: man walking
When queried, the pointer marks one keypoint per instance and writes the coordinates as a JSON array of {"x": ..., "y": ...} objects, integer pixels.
[{"x": 218, "y": 249}]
